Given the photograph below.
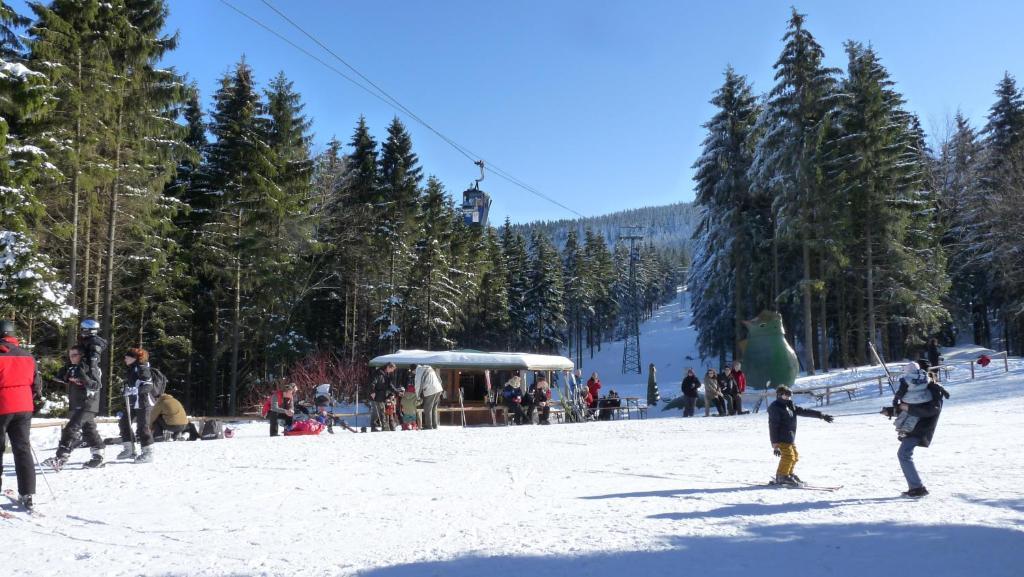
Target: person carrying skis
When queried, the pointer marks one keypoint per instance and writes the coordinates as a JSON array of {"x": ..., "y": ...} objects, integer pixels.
[
  {"x": 84, "y": 401},
  {"x": 782, "y": 416},
  {"x": 919, "y": 400},
  {"x": 690, "y": 386},
  {"x": 19, "y": 384},
  {"x": 138, "y": 402}
]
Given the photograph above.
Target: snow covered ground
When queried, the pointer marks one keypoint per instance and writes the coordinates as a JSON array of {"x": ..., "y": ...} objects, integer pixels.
[{"x": 660, "y": 496}]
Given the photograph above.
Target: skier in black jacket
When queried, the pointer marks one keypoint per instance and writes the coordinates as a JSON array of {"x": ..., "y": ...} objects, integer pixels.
[
  {"x": 782, "y": 429},
  {"x": 138, "y": 385},
  {"x": 690, "y": 386},
  {"x": 84, "y": 398}
]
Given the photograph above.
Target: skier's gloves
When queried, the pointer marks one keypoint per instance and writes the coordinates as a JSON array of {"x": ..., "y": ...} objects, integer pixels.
[
  {"x": 89, "y": 393},
  {"x": 945, "y": 393},
  {"x": 827, "y": 418},
  {"x": 777, "y": 452}
]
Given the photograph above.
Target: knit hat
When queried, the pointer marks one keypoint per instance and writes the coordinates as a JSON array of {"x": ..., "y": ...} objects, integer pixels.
[{"x": 910, "y": 368}]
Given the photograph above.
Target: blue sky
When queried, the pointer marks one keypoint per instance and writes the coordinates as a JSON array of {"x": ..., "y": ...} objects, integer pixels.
[{"x": 598, "y": 104}]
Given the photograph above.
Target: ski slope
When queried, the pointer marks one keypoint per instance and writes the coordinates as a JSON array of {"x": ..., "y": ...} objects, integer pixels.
[
  {"x": 666, "y": 339},
  {"x": 660, "y": 496}
]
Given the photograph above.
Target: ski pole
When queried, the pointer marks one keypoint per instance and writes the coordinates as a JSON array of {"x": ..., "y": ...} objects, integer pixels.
[
  {"x": 128, "y": 414},
  {"x": 884, "y": 368},
  {"x": 42, "y": 471}
]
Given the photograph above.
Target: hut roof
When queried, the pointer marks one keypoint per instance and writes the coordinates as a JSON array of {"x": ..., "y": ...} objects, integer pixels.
[{"x": 463, "y": 359}]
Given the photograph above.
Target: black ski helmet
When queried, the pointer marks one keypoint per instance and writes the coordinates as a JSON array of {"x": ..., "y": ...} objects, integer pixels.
[
  {"x": 90, "y": 327},
  {"x": 7, "y": 328},
  {"x": 783, "y": 390}
]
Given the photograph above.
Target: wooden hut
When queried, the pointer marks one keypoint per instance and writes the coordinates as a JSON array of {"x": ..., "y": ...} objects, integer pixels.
[{"x": 473, "y": 379}]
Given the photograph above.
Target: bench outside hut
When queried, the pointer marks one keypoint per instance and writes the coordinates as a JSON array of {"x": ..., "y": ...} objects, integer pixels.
[{"x": 473, "y": 380}]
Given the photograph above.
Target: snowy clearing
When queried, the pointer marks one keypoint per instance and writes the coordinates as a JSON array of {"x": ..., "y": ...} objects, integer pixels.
[{"x": 601, "y": 499}]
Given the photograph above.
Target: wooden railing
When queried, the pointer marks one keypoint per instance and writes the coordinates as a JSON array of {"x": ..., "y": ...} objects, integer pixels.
[{"x": 823, "y": 394}]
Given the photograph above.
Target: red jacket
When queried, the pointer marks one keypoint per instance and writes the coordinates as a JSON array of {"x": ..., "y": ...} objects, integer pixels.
[
  {"x": 741, "y": 381},
  {"x": 18, "y": 378},
  {"x": 594, "y": 387}
]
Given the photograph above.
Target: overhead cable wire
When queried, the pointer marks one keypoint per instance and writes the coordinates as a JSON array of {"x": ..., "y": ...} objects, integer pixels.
[{"x": 386, "y": 98}]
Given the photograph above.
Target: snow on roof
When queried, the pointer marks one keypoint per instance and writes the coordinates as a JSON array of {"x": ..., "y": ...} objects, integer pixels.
[{"x": 475, "y": 359}]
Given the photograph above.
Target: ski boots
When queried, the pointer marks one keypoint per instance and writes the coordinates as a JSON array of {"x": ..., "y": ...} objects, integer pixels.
[
  {"x": 96, "y": 461},
  {"x": 55, "y": 463},
  {"x": 146, "y": 456},
  {"x": 128, "y": 452},
  {"x": 916, "y": 492},
  {"x": 25, "y": 501}
]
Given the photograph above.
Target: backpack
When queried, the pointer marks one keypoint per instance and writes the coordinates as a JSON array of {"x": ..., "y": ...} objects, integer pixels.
[
  {"x": 212, "y": 429},
  {"x": 159, "y": 383}
]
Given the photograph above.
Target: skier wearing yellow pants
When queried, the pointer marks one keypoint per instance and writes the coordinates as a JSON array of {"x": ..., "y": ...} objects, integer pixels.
[{"x": 782, "y": 429}]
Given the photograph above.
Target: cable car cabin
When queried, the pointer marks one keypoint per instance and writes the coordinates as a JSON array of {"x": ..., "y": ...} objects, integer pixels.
[{"x": 475, "y": 206}]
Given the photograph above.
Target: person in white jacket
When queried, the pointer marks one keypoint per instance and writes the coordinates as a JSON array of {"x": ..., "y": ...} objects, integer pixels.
[{"x": 428, "y": 387}]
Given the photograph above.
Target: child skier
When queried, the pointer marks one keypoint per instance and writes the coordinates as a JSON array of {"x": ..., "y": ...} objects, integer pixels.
[
  {"x": 782, "y": 429},
  {"x": 84, "y": 399},
  {"x": 409, "y": 409},
  {"x": 913, "y": 390}
]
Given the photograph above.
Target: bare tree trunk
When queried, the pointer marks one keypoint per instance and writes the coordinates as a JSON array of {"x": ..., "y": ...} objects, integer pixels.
[
  {"x": 872, "y": 329},
  {"x": 108, "y": 297},
  {"x": 76, "y": 199},
  {"x": 236, "y": 320},
  {"x": 214, "y": 357},
  {"x": 808, "y": 320},
  {"x": 823, "y": 319},
  {"x": 87, "y": 273}
]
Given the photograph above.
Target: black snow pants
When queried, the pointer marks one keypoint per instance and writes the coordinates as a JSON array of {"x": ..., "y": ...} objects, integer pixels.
[
  {"x": 17, "y": 426},
  {"x": 141, "y": 418},
  {"x": 82, "y": 424}
]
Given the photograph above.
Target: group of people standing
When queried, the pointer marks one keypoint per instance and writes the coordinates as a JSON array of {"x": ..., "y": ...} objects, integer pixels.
[
  {"x": 21, "y": 385},
  {"x": 392, "y": 407},
  {"x": 723, "y": 390}
]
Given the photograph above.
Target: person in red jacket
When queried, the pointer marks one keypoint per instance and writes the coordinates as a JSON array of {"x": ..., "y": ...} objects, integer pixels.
[
  {"x": 741, "y": 387},
  {"x": 19, "y": 383},
  {"x": 594, "y": 388}
]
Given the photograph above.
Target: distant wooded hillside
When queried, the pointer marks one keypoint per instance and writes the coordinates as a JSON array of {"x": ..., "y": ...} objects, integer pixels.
[{"x": 669, "y": 226}]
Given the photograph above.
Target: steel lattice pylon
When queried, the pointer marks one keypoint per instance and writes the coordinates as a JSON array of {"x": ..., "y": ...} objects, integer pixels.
[{"x": 631, "y": 348}]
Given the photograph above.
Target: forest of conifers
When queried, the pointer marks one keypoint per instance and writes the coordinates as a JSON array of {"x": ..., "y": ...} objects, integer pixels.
[
  {"x": 823, "y": 200},
  {"x": 219, "y": 240}
]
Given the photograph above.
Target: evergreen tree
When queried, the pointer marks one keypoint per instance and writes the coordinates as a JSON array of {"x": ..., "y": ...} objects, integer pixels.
[
  {"x": 433, "y": 297},
  {"x": 730, "y": 222},
  {"x": 28, "y": 283},
  {"x": 400, "y": 176},
  {"x": 544, "y": 299},
  {"x": 240, "y": 175},
  {"x": 513, "y": 248},
  {"x": 788, "y": 160}
]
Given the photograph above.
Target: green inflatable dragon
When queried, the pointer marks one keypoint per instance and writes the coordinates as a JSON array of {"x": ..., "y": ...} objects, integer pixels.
[{"x": 768, "y": 358}]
